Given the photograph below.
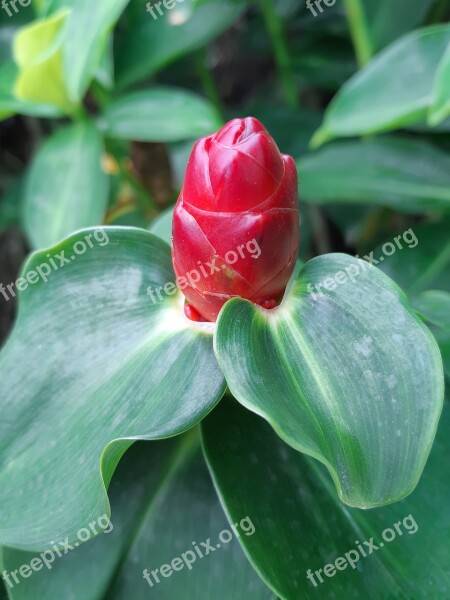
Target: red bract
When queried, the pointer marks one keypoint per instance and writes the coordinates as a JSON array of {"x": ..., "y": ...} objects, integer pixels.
[{"x": 236, "y": 223}]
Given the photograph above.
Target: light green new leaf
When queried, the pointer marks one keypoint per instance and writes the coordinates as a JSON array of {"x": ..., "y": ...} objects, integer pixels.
[
  {"x": 104, "y": 365},
  {"x": 440, "y": 107},
  {"x": 149, "y": 44},
  {"x": 87, "y": 34},
  {"x": 159, "y": 115},
  {"x": 301, "y": 526},
  {"x": 10, "y": 104},
  {"x": 66, "y": 187},
  {"x": 405, "y": 174},
  {"x": 162, "y": 499},
  {"x": 394, "y": 90},
  {"x": 345, "y": 373},
  {"x": 38, "y": 53}
]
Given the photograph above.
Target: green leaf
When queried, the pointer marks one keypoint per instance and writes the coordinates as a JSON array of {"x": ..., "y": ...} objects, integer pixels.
[
  {"x": 150, "y": 44},
  {"x": 185, "y": 512},
  {"x": 87, "y": 34},
  {"x": 440, "y": 107},
  {"x": 88, "y": 569},
  {"x": 394, "y": 90},
  {"x": 349, "y": 376},
  {"x": 426, "y": 264},
  {"x": 405, "y": 174},
  {"x": 162, "y": 500},
  {"x": 66, "y": 187},
  {"x": 434, "y": 306},
  {"x": 162, "y": 225},
  {"x": 104, "y": 73},
  {"x": 38, "y": 53},
  {"x": 9, "y": 104},
  {"x": 387, "y": 21},
  {"x": 44, "y": 8},
  {"x": 159, "y": 115},
  {"x": 293, "y": 505},
  {"x": 105, "y": 365}
]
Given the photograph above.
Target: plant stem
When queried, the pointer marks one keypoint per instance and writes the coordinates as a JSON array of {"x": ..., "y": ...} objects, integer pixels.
[
  {"x": 359, "y": 31},
  {"x": 208, "y": 83},
  {"x": 146, "y": 202},
  {"x": 275, "y": 29}
]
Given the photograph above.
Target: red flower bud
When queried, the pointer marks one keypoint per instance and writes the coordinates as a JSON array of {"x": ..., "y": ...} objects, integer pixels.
[{"x": 236, "y": 224}]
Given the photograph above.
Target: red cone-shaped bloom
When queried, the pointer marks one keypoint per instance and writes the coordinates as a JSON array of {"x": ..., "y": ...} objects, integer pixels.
[{"x": 236, "y": 224}]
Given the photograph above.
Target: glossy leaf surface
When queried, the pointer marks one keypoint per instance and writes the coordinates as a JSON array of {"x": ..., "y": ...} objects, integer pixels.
[
  {"x": 345, "y": 373},
  {"x": 105, "y": 365}
]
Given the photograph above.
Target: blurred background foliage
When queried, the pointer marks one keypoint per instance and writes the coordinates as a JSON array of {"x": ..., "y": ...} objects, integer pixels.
[{"x": 101, "y": 103}]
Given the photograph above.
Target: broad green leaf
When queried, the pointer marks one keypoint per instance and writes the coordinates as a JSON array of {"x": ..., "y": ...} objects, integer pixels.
[
  {"x": 406, "y": 174},
  {"x": 9, "y": 104},
  {"x": 66, "y": 188},
  {"x": 386, "y": 20},
  {"x": 425, "y": 264},
  {"x": 440, "y": 107},
  {"x": 300, "y": 525},
  {"x": 88, "y": 28},
  {"x": 394, "y": 90},
  {"x": 105, "y": 365},
  {"x": 162, "y": 225},
  {"x": 434, "y": 306},
  {"x": 346, "y": 373},
  {"x": 161, "y": 114},
  {"x": 150, "y": 44},
  {"x": 38, "y": 53},
  {"x": 185, "y": 512},
  {"x": 162, "y": 500},
  {"x": 86, "y": 570}
]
